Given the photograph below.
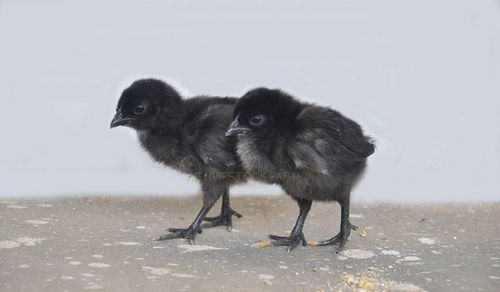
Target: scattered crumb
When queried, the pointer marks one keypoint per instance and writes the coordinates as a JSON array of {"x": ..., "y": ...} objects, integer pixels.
[
  {"x": 312, "y": 243},
  {"x": 363, "y": 233},
  {"x": 372, "y": 283},
  {"x": 263, "y": 243}
]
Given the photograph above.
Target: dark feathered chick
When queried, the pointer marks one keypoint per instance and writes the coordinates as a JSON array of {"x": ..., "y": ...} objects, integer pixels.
[
  {"x": 187, "y": 135},
  {"x": 314, "y": 153}
]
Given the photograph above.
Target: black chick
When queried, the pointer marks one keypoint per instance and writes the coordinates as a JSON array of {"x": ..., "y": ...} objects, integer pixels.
[
  {"x": 314, "y": 153},
  {"x": 187, "y": 135}
]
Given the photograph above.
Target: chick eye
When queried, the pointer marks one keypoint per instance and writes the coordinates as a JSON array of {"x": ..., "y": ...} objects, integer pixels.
[
  {"x": 257, "y": 120},
  {"x": 139, "y": 109}
]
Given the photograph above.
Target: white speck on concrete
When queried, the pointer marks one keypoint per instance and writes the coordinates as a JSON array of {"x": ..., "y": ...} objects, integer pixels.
[
  {"x": 36, "y": 222},
  {"x": 127, "y": 243},
  {"x": 16, "y": 207},
  {"x": 97, "y": 256},
  {"x": 494, "y": 277},
  {"x": 44, "y": 205},
  {"x": 180, "y": 275},
  {"x": 405, "y": 287},
  {"x": 93, "y": 286},
  {"x": 411, "y": 258},
  {"x": 266, "y": 278},
  {"x": 193, "y": 248},
  {"x": 98, "y": 265},
  {"x": 87, "y": 275},
  {"x": 140, "y": 227},
  {"x": 67, "y": 278},
  {"x": 358, "y": 254},
  {"x": 68, "y": 258},
  {"x": 107, "y": 244},
  {"x": 9, "y": 244},
  {"x": 28, "y": 241},
  {"x": 390, "y": 252},
  {"x": 75, "y": 263},
  {"x": 23, "y": 266},
  {"x": 355, "y": 215},
  {"x": 156, "y": 271},
  {"x": 172, "y": 264},
  {"x": 426, "y": 240}
]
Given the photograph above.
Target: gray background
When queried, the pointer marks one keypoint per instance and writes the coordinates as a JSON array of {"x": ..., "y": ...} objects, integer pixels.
[{"x": 422, "y": 77}]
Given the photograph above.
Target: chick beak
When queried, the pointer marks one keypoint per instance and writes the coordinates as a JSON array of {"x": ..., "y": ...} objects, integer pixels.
[
  {"x": 235, "y": 128},
  {"x": 118, "y": 120}
]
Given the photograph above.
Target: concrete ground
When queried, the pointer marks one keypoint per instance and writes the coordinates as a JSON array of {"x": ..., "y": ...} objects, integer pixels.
[{"x": 107, "y": 244}]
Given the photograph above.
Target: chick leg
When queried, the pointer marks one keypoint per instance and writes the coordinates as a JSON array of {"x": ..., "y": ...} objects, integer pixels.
[
  {"x": 188, "y": 233},
  {"x": 296, "y": 236},
  {"x": 345, "y": 228},
  {"x": 226, "y": 215}
]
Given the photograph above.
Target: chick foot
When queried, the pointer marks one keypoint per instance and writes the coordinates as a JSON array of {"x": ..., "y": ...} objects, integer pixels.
[
  {"x": 291, "y": 241},
  {"x": 340, "y": 239},
  {"x": 187, "y": 233},
  {"x": 224, "y": 219}
]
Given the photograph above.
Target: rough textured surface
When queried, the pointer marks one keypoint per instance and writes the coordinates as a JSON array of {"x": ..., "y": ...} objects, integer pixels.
[{"x": 107, "y": 244}]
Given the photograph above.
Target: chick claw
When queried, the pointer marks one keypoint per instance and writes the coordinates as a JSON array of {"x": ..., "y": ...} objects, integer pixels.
[
  {"x": 291, "y": 241},
  {"x": 224, "y": 219},
  {"x": 187, "y": 233},
  {"x": 340, "y": 239}
]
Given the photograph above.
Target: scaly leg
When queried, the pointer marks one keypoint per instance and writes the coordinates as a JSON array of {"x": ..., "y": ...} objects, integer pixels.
[
  {"x": 296, "y": 236},
  {"x": 188, "y": 233},
  {"x": 212, "y": 190},
  {"x": 226, "y": 215},
  {"x": 345, "y": 228}
]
